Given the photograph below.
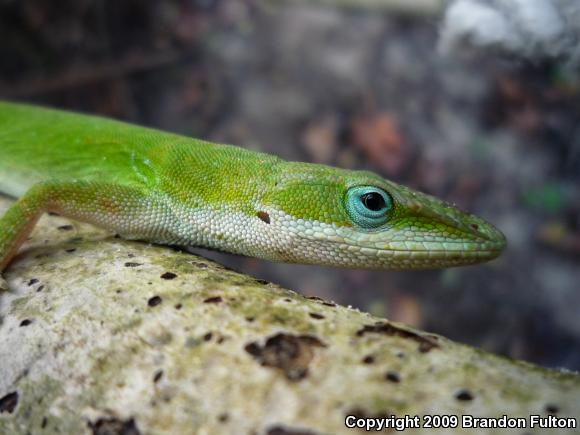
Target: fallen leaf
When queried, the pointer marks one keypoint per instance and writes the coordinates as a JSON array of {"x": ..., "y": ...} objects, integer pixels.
[{"x": 379, "y": 138}]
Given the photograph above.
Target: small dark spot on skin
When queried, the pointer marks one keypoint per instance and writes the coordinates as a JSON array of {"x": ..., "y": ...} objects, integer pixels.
[
  {"x": 213, "y": 300},
  {"x": 130, "y": 255},
  {"x": 8, "y": 403},
  {"x": 329, "y": 304},
  {"x": 44, "y": 422},
  {"x": 290, "y": 353},
  {"x": 221, "y": 339},
  {"x": 222, "y": 418},
  {"x": 65, "y": 227},
  {"x": 118, "y": 291},
  {"x": 287, "y": 300},
  {"x": 316, "y": 316},
  {"x": 25, "y": 322},
  {"x": 250, "y": 318},
  {"x": 282, "y": 430},
  {"x": 178, "y": 306},
  {"x": 114, "y": 426},
  {"x": 69, "y": 250},
  {"x": 169, "y": 275},
  {"x": 264, "y": 217},
  {"x": 131, "y": 264},
  {"x": 51, "y": 213},
  {"x": 40, "y": 288},
  {"x": 393, "y": 377},
  {"x": 474, "y": 226},
  {"x": 262, "y": 281},
  {"x": 425, "y": 343},
  {"x": 157, "y": 376},
  {"x": 208, "y": 336},
  {"x": 369, "y": 359},
  {"x": 400, "y": 355},
  {"x": 154, "y": 301},
  {"x": 32, "y": 282},
  {"x": 117, "y": 236},
  {"x": 464, "y": 395},
  {"x": 75, "y": 239},
  {"x": 552, "y": 409}
]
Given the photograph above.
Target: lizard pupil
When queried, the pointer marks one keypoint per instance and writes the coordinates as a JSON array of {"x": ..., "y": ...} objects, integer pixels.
[{"x": 373, "y": 201}]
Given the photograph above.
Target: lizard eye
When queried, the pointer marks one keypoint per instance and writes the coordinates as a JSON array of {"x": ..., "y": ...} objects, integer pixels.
[
  {"x": 368, "y": 206},
  {"x": 373, "y": 201}
]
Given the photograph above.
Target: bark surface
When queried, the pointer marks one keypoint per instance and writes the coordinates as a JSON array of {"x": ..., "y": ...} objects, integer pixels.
[{"x": 101, "y": 335}]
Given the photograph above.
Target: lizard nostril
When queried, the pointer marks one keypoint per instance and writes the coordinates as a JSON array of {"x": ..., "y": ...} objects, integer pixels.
[{"x": 474, "y": 226}]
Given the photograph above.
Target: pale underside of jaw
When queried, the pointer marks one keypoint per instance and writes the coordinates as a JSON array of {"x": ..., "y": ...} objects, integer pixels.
[
  {"x": 397, "y": 244},
  {"x": 326, "y": 246},
  {"x": 289, "y": 239},
  {"x": 320, "y": 251},
  {"x": 383, "y": 259}
]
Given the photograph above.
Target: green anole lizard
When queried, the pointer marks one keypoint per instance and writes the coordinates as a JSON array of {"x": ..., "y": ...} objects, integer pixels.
[{"x": 161, "y": 187}]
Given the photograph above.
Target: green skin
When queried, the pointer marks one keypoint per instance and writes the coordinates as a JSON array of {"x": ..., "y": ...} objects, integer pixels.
[{"x": 150, "y": 185}]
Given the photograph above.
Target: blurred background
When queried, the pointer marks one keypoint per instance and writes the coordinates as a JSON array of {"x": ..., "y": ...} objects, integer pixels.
[{"x": 356, "y": 84}]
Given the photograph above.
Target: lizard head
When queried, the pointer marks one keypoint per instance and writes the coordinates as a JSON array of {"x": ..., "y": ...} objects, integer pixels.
[{"x": 337, "y": 217}]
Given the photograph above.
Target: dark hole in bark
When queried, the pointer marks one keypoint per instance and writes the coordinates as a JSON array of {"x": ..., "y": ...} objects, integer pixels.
[
  {"x": 8, "y": 403},
  {"x": 154, "y": 301},
  {"x": 169, "y": 275}
]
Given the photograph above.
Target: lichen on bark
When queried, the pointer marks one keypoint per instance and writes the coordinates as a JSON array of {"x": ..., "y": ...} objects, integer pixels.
[{"x": 100, "y": 334}]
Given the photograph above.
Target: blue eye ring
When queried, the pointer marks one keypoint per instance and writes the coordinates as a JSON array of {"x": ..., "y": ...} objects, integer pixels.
[{"x": 368, "y": 206}]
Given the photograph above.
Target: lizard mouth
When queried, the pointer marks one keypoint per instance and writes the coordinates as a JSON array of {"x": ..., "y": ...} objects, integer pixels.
[
  {"x": 403, "y": 255},
  {"x": 468, "y": 245}
]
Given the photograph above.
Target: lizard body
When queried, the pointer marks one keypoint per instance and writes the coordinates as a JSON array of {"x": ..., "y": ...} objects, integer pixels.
[{"x": 165, "y": 188}]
